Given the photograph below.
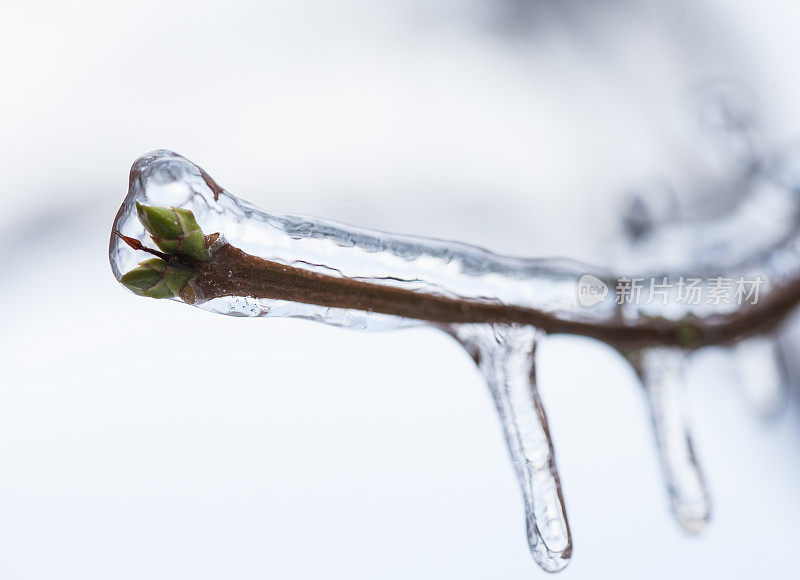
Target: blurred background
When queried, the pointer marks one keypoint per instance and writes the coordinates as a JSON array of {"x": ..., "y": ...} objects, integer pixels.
[{"x": 143, "y": 439}]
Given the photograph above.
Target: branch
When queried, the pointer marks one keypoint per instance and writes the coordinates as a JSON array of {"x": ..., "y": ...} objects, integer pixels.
[{"x": 312, "y": 261}]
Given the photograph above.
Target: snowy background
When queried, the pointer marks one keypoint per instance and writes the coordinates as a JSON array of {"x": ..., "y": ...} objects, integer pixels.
[{"x": 143, "y": 439}]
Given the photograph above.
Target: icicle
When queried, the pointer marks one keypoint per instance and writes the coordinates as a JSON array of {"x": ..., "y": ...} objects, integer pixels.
[
  {"x": 505, "y": 356},
  {"x": 661, "y": 373},
  {"x": 762, "y": 374}
]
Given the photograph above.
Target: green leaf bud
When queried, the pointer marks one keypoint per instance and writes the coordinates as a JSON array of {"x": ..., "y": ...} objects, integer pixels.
[
  {"x": 161, "y": 222},
  {"x": 193, "y": 244},
  {"x": 174, "y": 230},
  {"x": 156, "y": 264},
  {"x": 155, "y": 278},
  {"x": 176, "y": 277}
]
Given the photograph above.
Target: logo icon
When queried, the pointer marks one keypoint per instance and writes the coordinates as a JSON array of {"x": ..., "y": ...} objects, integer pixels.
[{"x": 591, "y": 290}]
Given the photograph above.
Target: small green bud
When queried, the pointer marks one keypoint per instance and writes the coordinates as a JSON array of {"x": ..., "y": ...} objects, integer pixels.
[
  {"x": 193, "y": 244},
  {"x": 176, "y": 277},
  {"x": 147, "y": 282},
  {"x": 154, "y": 278},
  {"x": 174, "y": 230},
  {"x": 161, "y": 222},
  {"x": 168, "y": 246},
  {"x": 687, "y": 333},
  {"x": 186, "y": 219},
  {"x": 156, "y": 264}
]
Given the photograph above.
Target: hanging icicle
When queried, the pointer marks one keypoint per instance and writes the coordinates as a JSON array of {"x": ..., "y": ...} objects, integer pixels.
[
  {"x": 661, "y": 371},
  {"x": 505, "y": 355}
]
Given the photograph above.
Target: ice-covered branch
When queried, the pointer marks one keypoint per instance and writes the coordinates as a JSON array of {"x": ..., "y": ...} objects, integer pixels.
[
  {"x": 223, "y": 254},
  {"x": 267, "y": 260}
]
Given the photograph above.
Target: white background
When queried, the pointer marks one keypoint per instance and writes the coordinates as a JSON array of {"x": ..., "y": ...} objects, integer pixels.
[{"x": 148, "y": 440}]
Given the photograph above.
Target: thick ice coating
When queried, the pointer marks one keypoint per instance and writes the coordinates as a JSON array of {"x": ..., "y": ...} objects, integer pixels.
[
  {"x": 163, "y": 181},
  {"x": 180, "y": 236},
  {"x": 365, "y": 279}
]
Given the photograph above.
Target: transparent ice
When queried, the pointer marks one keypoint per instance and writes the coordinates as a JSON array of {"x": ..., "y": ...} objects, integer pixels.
[
  {"x": 462, "y": 271},
  {"x": 762, "y": 374},
  {"x": 661, "y": 372},
  {"x": 504, "y": 353},
  {"x": 505, "y": 356}
]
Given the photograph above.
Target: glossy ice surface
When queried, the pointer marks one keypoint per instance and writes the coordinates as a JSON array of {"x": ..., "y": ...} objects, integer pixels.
[
  {"x": 163, "y": 178},
  {"x": 504, "y": 353}
]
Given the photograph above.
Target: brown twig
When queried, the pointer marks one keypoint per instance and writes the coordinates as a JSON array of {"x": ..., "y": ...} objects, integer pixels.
[{"x": 233, "y": 272}]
